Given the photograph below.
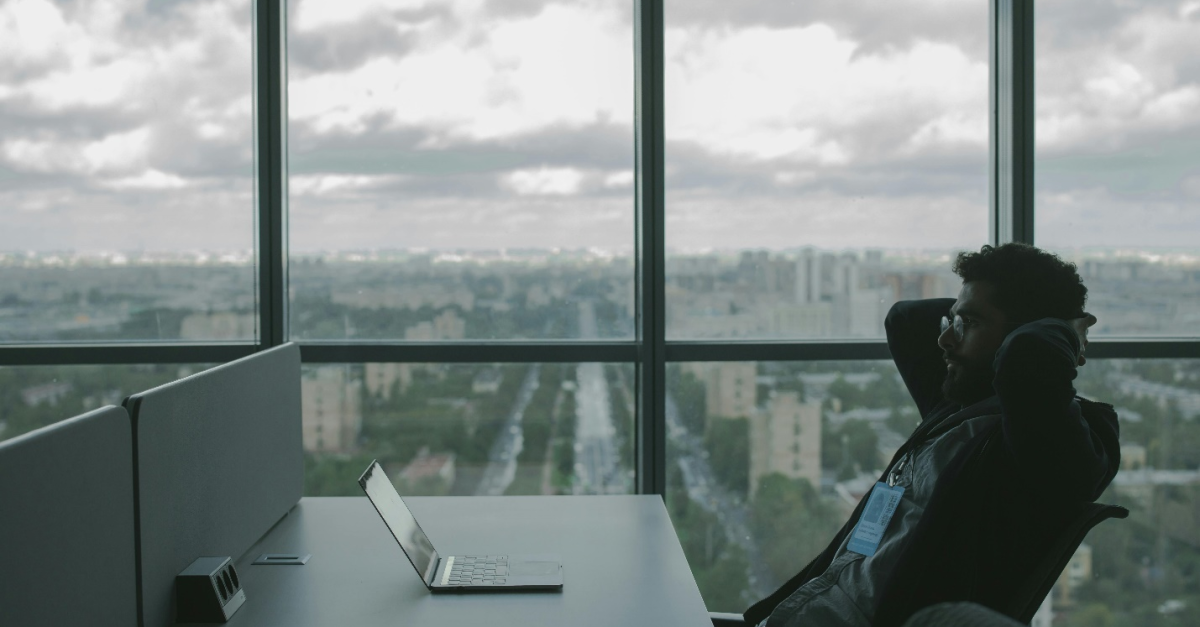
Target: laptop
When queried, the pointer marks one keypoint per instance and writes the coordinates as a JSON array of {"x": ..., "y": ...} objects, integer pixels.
[{"x": 455, "y": 573}]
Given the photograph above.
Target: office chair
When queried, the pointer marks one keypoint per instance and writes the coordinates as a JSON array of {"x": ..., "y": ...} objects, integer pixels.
[
  {"x": 960, "y": 615},
  {"x": 1026, "y": 602},
  {"x": 1030, "y": 595}
]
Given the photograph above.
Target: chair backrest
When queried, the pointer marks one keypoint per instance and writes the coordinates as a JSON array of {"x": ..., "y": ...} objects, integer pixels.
[
  {"x": 66, "y": 524},
  {"x": 219, "y": 460},
  {"x": 960, "y": 614},
  {"x": 1042, "y": 580}
]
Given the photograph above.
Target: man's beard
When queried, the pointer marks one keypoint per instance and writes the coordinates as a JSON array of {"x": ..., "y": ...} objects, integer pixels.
[{"x": 972, "y": 383}]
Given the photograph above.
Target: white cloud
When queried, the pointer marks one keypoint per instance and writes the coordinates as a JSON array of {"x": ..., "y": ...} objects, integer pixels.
[
  {"x": 619, "y": 179},
  {"x": 118, "y": 151},
  {"x": 1107, "y": 92},
  {"x": 149, "y": 180},
  {"x": 1175, "y": 106},
  {"x": 545, "y": 181},
  {"x": 802, "y": 94},
  {"x": 333, "y": 184},
  {"x": 115, "y": 153},
  {"x": 312, "y": 15},
  {"x": 30, "y": 29},
  {"x": 951, "y": 128},
  {"x": 105, "y": 85},
  {"x": 569, "y": 65},
  {"x": 806, "y": 100}
]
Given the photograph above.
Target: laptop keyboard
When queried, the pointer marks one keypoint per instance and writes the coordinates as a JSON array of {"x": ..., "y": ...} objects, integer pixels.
[{"x": 478, "y": 570}]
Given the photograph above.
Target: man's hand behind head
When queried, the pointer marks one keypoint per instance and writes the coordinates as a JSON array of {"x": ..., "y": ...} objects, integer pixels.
[{"x": 1081, "y": 326}]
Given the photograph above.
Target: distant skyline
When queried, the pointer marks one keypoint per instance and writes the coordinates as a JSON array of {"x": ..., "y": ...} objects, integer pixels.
[
  {"x": 1188, "y": 255},
  {"x": 459, "y": 124}
]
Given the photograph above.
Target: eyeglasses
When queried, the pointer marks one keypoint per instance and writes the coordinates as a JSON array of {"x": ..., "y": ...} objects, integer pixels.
[{"x": 956, "y": 324}]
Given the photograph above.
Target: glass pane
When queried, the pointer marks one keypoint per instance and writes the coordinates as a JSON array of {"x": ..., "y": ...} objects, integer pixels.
[
  {"x": 470, "y": 429},
  {"x": 1118, "y": 157},
  {"x": 461, "y": 170},
  {"x": 822, "y": 159},
  {"x": 126, "y": 171},
  {"x": 1143, "y": 570},
  {"x": 757, "y": 451},
  {"x": 35, "y": 396}
]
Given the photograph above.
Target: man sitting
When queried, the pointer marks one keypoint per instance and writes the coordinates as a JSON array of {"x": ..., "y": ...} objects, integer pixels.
[{"x": 1004, "y": 457}]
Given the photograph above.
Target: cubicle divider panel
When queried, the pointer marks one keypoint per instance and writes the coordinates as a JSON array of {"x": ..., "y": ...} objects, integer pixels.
[
  {"x": 66, "y": 524},
  {"x": 219, "y": 461}
]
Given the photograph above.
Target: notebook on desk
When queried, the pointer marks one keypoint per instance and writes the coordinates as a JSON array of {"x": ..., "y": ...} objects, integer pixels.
[{"x": 493, "y": 572}]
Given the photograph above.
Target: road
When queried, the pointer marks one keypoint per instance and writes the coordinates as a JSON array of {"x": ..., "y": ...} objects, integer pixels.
[
  {"x": 502, "y": 458},
  {"x": 597, "y": 459},
  {"x": 712, "y": 497},
  {"x": 597, "y": 456}
]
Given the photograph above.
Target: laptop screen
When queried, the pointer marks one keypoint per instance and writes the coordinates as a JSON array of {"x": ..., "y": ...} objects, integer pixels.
[{"x": 399, "y": 520}]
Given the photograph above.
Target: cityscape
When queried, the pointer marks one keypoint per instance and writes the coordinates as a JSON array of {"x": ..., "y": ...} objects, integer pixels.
[{"x": 756, "y": 450}]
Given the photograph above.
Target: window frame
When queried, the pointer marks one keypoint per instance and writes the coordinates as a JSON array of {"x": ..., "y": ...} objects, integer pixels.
[{"x": 1011, "y": 219}]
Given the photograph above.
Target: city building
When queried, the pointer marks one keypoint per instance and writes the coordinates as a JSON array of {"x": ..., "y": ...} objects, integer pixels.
[
  {"x": 731, "y": 388},
  {"x": 785, "y": 438},
  {"x": 382, "y": 379},
  {"x": 1077, "y": 572},
  {"x": 220, "y": 325},
  {"x": 1133, "y": 456},
  {"x": 445, "y": 326},
  {"x": 331, "y": 401}
]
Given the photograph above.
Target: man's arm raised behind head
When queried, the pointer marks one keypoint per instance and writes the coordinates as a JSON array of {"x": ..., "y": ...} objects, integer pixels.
[
  {"x": 912, "y": 331},
  {"x": 1052, "y": 446}
]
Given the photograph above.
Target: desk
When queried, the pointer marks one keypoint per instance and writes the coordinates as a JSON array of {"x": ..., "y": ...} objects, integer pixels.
[{"x": 622, "y": 565}]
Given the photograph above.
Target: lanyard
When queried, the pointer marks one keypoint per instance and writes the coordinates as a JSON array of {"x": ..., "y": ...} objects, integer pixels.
[{"x": 894, "y": 473}]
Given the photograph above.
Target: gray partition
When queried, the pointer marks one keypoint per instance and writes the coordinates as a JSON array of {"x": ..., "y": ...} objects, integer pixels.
[
  {"x": 66, "y": 524},
  {"x": 219, "y": 461}
]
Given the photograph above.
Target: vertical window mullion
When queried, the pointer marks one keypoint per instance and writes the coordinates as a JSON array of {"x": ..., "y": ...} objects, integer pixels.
[
  {"x": 650, "y": 243},
  {"x": 270, "y": 148},
  {"x": 1011, "y": 122}
]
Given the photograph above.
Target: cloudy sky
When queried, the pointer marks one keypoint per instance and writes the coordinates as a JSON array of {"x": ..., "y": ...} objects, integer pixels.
[{"x": 127, "y": 124}]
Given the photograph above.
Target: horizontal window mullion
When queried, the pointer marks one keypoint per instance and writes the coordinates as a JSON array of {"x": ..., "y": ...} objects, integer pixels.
[
  {"x": 1145, "y": 349},
  {"x": 528, "y": 352},
  {"x": 777, "y": 351},
  {"x": 124, "y": 353},
  {"x": 470, "y": 352}
]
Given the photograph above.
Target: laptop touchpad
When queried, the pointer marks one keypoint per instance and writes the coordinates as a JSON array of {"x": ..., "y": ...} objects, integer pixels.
[{"x": 535, "y": 568}]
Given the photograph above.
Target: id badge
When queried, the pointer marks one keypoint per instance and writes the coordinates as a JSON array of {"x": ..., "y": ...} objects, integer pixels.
[{"x": 881, "y": 505}]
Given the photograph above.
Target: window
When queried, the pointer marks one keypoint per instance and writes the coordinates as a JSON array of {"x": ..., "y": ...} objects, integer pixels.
[
  {"x": 32, "y": 397},
  {"x": 1118, "y": 158},
  {"x": 126, "y": 172},
  {"x": 461, "y": 170},
  {"x": 742, "y": 478},
  {"x": 470, "y": 429},
  {"x": 1142, "y": 568},
  {"x": 821, "y": 162}
]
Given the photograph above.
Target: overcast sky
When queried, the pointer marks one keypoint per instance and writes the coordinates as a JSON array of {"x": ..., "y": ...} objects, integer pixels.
[{"x": 127, "y": 124}]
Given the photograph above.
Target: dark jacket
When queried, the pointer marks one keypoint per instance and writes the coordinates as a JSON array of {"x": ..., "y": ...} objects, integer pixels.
[{"x": 1004, "y": 499}]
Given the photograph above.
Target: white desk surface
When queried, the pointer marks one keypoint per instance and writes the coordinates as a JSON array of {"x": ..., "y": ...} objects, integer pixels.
[{"x": 622, "y": 565}]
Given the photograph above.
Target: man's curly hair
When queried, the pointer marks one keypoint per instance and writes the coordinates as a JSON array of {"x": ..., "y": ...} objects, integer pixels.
[{"x": 1031, "y": 283}]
